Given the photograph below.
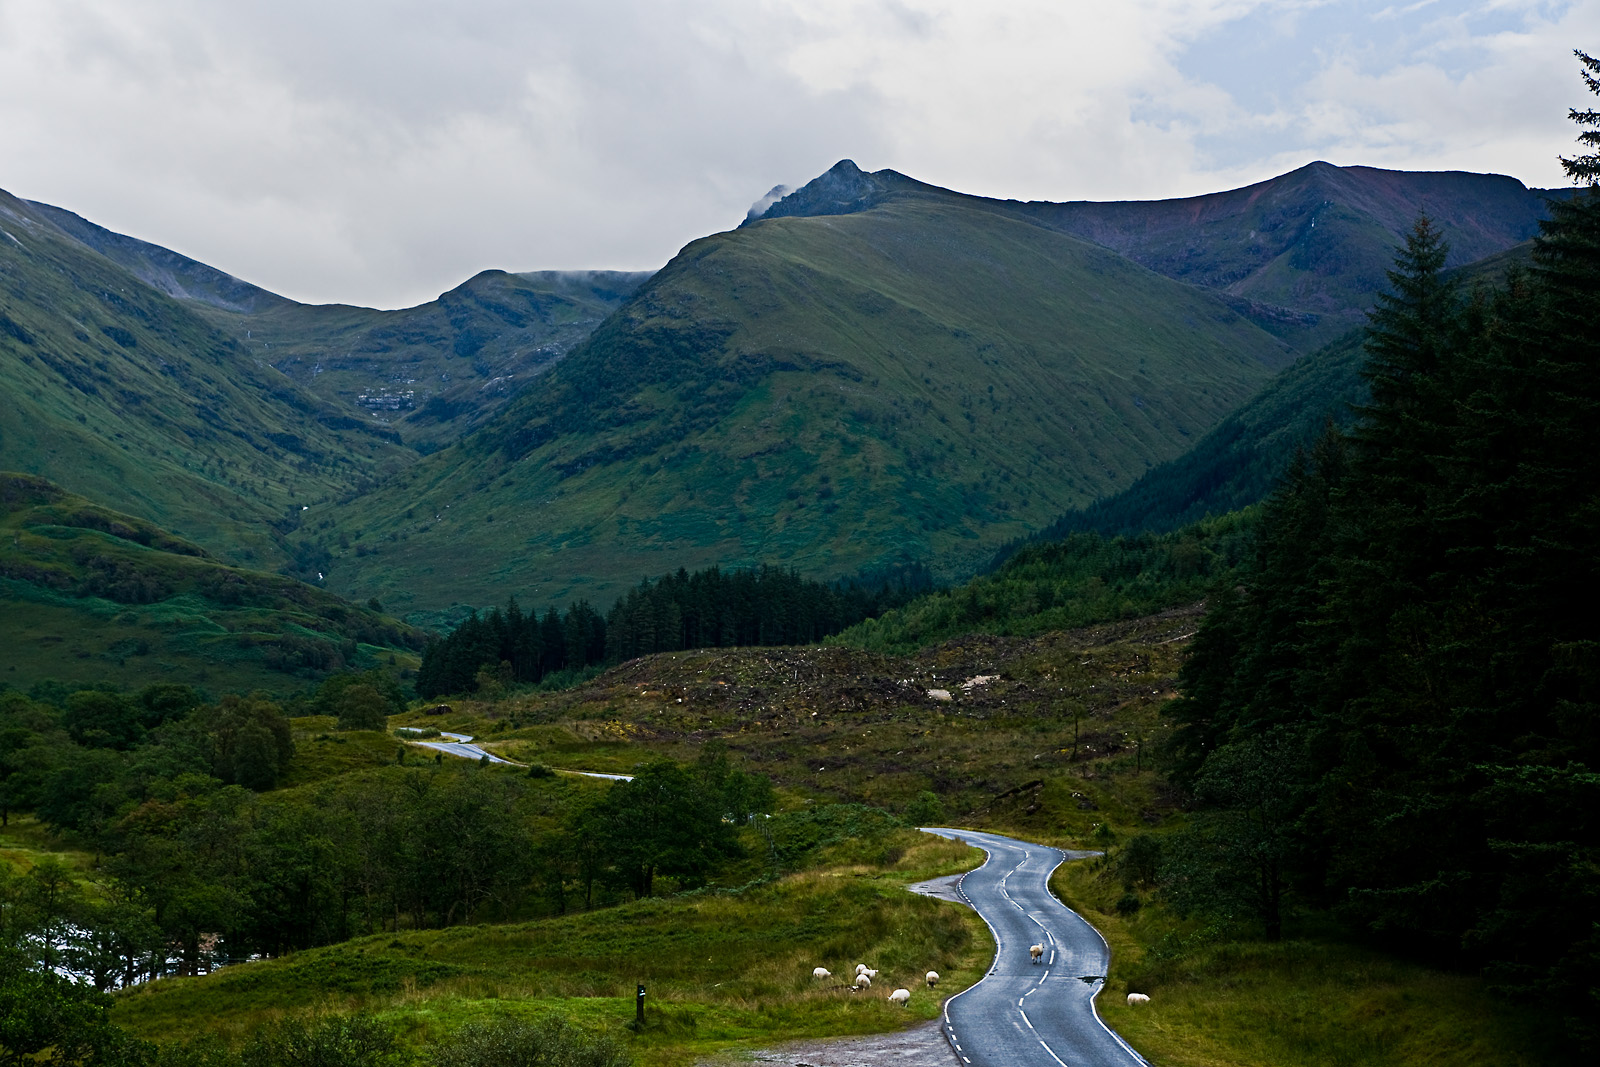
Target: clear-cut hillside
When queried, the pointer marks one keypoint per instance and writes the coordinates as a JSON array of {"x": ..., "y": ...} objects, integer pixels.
[{"x": 924, "y": 379}]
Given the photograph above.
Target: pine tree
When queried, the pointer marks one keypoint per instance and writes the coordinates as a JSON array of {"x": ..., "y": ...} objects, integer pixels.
[{"x": 1585, "y": 170}]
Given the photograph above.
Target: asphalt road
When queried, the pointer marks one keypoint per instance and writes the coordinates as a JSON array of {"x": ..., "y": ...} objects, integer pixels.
[
  {"x": 461, "y": 745},
  {"x": 1023, "y": 1013}
]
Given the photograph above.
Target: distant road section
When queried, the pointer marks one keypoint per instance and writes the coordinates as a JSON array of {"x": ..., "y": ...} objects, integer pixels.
[
  {"x": 461, "y": 745},
  {"x": 1022, "y": 1013}
]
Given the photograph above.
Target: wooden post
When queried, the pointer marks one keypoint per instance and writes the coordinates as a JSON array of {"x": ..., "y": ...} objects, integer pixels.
[{"x": 638, "y": 1009}]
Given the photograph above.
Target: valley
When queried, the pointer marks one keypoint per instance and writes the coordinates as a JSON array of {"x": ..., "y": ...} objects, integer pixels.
[{"x": 1274, "y": 619}]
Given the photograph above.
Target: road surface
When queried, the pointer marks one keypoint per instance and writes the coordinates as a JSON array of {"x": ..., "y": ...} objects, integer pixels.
[
  {"x": 461, "y": 745},
  {"x": 1021, "y": 1013}
]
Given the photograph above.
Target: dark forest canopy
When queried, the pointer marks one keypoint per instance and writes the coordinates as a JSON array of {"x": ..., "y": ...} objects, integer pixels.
[
  {"x": 1395, "y": 714},
  {"x": 711, "y": 608}
]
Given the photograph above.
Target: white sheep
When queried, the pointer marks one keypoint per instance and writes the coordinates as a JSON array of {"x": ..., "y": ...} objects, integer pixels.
[
  {"x": 933, "y": 979},
  {"x": 863, "y": 982},
  {"x": 861, "y": 968},
  {"x": 821, "y": 973},
  {"x": 1138, "y": 998},
  {"x": 900, "y": 996},
  {"x": 1036, "y": 953}
]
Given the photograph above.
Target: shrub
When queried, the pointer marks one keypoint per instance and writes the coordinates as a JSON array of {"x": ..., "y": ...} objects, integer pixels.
[
  {"x": 330, "y": 1041},
  {"x": 548, "y": 1042}
]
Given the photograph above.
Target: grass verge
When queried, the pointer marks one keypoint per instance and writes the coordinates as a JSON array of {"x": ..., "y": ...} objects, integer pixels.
[{"x": 725, "y": 970}]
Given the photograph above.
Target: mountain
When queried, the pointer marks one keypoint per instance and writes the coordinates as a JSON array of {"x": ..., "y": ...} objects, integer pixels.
[
  {"x": 118, "y": 391},
  {"x": 924, "y": 379},
  {"x": 1238, "y": 461},
  {"x": 428, "y": 373},
  {"x": 1302, "y": 254},
  {"x": 93, "y": 595}
]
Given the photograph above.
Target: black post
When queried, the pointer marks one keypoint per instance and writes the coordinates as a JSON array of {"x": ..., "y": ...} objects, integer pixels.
[{"x": 638, "y": 1007}]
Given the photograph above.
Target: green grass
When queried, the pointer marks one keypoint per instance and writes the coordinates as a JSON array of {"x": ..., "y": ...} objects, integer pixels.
[
  {"x": 1311, "y": 1000},
  {"x": 924, "y": 380},
  {"x": 724, "y": 969},
  {"x": 124, "y": 395},
  {"x": 93, "y": 595}
]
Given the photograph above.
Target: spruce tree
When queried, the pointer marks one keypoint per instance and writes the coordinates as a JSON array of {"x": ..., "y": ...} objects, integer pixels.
[{"x": 1585, "y": 169}]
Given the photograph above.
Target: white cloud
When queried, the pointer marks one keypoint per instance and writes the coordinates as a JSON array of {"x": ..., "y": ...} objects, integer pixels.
[{"x": 380, "y": 152}]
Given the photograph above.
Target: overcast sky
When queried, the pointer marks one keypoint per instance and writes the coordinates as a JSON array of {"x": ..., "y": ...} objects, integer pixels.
[{"x": 382, "y": 152}]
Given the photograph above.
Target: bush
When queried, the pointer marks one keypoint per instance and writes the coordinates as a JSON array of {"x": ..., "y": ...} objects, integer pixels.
[
  {"x": 331, "y": 1041},
  {"x": 925, "y": 810},
  {"x": 548, "y": 1042}
]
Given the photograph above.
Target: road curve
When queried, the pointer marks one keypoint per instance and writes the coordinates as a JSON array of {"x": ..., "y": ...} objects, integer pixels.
[
  {"x": 1023, "y": 1013},
  {"x": 461, "y": 745}
]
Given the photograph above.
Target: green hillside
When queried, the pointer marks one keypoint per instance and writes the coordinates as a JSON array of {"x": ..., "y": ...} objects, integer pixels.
[
  {"x": 121, "y": 393},
  {"x": 92, "y": 595},
  {"x": 1237, "y": 463},
  {"x": 1302, "y": 254},
  {"x": 924, "y": 380},
  {"x": 428, "y": 372}
]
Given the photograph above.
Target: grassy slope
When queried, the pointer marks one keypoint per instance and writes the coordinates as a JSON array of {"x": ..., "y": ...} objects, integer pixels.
[
  {"x": 1239, "y": 460},
  {"x": 120, "y": 393},
  {"x": 723, "y": 970},
  {"x": 1311, "y": 1000},
  {"x": 917, "y": 381},
  {"x": 93, "y": 595},
  {"x": 467, "y": 351},
  {"x": 460, "y": 357}
]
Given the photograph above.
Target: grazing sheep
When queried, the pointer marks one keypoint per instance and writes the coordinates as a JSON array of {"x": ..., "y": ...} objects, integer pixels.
[
  {"x": 1138, "y": 998},
  {"x": 861, "y": 968},
  {"x": 1036, "y": 952},
  {"x": 870, "y": 973},
  {"x": 821, "y": 973},
  {"x": 933, "y": 979},
  {"x": 863, "y": 982},
  {"x": 900, "y": 996}
]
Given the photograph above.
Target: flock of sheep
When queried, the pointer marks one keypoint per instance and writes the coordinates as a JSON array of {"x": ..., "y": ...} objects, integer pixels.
[{"x": 864, "y": 977}]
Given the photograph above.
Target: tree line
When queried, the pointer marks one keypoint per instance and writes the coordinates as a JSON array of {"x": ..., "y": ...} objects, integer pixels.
[
  {"x": 1394, "y": 714},
  {"x": 710, "y": 608}
]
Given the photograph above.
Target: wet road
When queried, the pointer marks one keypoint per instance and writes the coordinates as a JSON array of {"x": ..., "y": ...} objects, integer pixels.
[
  {"x": 1022, "y": 1013},
  {"x": 461, "y": 745}
]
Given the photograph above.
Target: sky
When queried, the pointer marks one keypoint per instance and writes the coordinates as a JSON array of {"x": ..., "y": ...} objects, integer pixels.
[{"x": 380, "y": 153}]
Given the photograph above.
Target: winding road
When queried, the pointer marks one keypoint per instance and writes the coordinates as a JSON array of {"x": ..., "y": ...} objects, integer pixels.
[
  {"x": 1022, "y": 1013},
  {"x": 461, "y": 745}
]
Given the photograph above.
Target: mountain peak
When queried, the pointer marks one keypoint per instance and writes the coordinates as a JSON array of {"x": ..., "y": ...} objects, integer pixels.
[{"x": 841, "y": 190}]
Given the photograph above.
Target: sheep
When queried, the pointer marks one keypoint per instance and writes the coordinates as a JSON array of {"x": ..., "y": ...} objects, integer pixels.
[
  {"x": 863, "y": 982},
  {"x": 1036, "y": 953},
  {"x": 870, "y": 973},
  {"x": 861, "y": 968},
  {"x": 821, "y": 973},
  {"x": 933, "y": 979},
  {"x": 1138, "y": 998},
  {"x": 900, "y": 996}
]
